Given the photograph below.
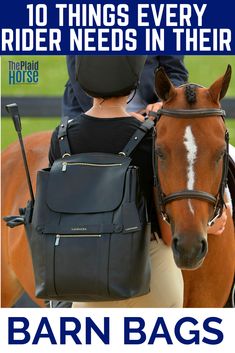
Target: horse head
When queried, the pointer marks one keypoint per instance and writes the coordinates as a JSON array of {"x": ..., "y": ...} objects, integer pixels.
[{"x": 191, "y": 163}]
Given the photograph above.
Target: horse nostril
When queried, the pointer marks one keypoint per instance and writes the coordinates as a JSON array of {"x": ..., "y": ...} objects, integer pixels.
[
  {"x": 203, "y": 247},
  {"x": 175, "y": 244}
]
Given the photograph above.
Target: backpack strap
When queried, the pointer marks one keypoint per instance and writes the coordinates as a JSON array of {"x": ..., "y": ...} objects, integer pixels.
[
  {"x": 63, "y": 137},
  {"x": 137, "y": 137}
]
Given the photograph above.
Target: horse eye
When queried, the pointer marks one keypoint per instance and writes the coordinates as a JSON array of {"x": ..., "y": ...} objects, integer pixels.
[
  {"x": 220, "y": 155},
  {"x": 160, "y": 154}
]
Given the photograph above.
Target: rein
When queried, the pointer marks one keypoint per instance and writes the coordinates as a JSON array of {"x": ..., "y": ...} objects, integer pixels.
[{"x": 218, "y": 200}]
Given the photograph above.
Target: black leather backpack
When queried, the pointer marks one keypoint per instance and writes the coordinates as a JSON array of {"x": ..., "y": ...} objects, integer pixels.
[{"x": 88, "y": 231}]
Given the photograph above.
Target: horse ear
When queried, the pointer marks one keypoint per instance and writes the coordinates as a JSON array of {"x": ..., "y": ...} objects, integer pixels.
[
  {"x": 163, "y": 86},
  {"x": 219, "y": 88}
]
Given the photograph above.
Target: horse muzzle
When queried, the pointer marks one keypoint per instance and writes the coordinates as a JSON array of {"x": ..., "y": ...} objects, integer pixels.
[{"x": 189, "y": 252}]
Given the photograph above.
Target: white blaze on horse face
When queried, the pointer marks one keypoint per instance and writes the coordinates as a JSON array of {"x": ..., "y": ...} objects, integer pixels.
[{"x": 191, "y": 148}]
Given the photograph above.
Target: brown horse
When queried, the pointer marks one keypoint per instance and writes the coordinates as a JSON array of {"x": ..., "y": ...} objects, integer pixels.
[
  {"x": 191, "y": 151},
  {"x": 178, "y": 169}
]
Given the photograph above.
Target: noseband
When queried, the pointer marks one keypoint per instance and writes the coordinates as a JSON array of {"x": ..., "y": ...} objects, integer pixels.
[{"x": 218, "y": 200}]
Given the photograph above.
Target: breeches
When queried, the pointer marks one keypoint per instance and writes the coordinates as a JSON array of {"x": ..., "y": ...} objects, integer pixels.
[{"x": 166, "y": 286}]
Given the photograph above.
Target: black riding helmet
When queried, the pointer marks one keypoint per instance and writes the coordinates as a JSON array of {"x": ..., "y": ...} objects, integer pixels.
[{"x": 109, "y": 76}]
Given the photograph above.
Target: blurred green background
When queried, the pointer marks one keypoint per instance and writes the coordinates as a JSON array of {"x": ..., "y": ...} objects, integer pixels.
[{"x": 53, "y": 76}]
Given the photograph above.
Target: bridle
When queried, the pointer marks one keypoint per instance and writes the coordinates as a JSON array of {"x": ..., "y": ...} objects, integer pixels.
[{"x": 218, "y": 200}]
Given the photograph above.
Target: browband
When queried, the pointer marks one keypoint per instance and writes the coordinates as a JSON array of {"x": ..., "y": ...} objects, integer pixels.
[{"x": 188, "y": 113}]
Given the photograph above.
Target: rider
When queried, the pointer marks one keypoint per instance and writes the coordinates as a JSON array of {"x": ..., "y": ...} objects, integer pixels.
[{"x": 106, "y": 127}]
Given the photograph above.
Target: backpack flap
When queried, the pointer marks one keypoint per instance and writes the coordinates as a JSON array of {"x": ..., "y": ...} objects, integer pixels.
[{"x": 87, "y": 183}]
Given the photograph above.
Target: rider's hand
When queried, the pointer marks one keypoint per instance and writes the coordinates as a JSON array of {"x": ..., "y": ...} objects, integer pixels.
[
  {"x": 154, "y": 107},
  {"x": 218, "y": 227}
]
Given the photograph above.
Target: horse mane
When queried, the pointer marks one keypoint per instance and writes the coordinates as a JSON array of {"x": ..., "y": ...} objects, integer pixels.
[{"x": 190, "y": 93}]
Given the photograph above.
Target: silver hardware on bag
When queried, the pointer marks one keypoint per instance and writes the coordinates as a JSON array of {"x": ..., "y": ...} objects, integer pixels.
[
  {"x": 65, "y": 164},
  {"x": 59, "y": 236},
  {"x": 64, "y": 167},
  {"x": 66, "y": 155},
  {"x": 57, "y": 239}
]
